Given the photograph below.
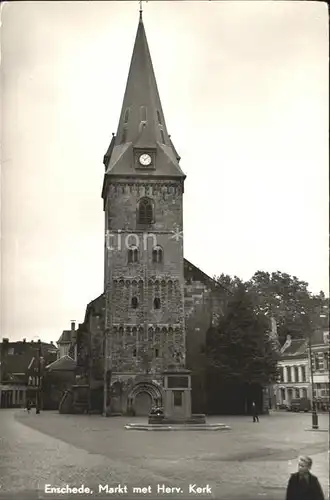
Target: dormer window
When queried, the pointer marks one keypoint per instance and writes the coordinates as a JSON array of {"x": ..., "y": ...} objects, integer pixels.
[
  {"x": 132, "y": 255},
  {"x": 124, "y": 136},
  {"x": 145, "y": 211},
  {"x": 157, "y": 255},
  {"x": 143, "y": 114},
  {"x": 156, "y": 303},
  {"x": 126, "y": 115},
  {"x": 159, "y": 118},
  {"x": 135, "y": 302}
]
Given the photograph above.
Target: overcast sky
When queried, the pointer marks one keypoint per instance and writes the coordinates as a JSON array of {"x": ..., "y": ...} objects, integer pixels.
[{"x": 244, "y": 89}]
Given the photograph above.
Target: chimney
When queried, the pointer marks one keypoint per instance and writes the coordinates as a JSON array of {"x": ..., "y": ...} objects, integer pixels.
[
  {"x": 5, "y": 340},
  {"x": 51, "y": 342},
  {"x": 31, "y": 341},
  {"x": 73, "y": 325},
  {"x": 24, "y": 340}
]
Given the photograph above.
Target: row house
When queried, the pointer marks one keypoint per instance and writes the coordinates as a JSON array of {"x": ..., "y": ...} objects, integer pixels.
[
  {"x": 19, "y": 370},
  {"x": 320, "y": 364},
  {"x": 66, "y": 343},
  {"x": 295, "y": 374}
]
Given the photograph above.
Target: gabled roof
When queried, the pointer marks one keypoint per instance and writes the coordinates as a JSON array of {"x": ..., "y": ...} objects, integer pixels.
[
  {"x": 142, "y": 122},
  {"x": 65, "y": 363},
  {"x": 192, "y": 271},
  {"x": 96, "y": 306},
  {"x": 65, "y": 337},
  {"x": 295, "y": 349}
]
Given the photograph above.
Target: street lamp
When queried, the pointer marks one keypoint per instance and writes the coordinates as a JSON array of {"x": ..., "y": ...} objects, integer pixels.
[
  {"x": 315, "y": 419},
  {"x": 39, "y": 379}
]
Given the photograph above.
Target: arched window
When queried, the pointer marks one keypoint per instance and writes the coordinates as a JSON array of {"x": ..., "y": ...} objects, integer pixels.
[
  {"x": 134, "y": 353},
  {"x": 133, "y": 255},
  {"x": 135, "y": 302},
  {"x": 156, "y": 303},
  {"x": 156, "y": 352},
  {"x": 145, "y": 211},
  {"x": 157, "y": 255}
]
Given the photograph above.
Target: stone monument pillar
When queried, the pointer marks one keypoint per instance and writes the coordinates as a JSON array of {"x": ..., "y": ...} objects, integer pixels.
[{"x": 177, "y": 394}]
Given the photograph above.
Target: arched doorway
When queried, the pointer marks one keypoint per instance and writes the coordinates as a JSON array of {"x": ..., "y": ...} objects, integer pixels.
[
  {"x": 142, "y": 404},
  {"x": 143, "y": 396}
]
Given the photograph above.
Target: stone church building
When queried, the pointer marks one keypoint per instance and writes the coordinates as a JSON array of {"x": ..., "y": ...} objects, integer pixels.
[{"x": 156, "y": 306}]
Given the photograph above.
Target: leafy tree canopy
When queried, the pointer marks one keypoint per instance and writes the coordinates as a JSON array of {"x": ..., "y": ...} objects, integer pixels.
[
  {"x": 296, "y": 310},
  {"x": 239, "y": 348}
]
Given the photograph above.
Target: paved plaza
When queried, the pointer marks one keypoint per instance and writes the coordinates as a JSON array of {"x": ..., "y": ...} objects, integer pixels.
[{"x": 251, "y": 461}]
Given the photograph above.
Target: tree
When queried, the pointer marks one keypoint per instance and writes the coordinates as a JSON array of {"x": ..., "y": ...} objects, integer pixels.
[
  {"x": 239, "y": 349},
  {"x": 240, "y": 356},
  {"x": 288, "y": 300}
]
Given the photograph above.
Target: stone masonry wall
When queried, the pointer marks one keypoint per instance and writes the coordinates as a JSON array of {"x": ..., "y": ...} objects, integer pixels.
[{"x": 145, "y": 339}]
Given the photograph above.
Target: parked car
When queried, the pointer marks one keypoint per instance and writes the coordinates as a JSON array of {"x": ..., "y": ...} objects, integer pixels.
[
  {"x": 301, "y": 404},
  {"x": 282, "y": 406},
  {"x": 322, "y": 404}
]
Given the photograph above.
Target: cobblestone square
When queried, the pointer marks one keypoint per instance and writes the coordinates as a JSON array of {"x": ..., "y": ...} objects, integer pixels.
[{"x": 250, "y": 461}]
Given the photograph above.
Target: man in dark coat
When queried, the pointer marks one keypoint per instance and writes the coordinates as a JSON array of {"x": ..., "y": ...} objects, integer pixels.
[
  {"x": 302, "y": 484},
  {"x": 254, "y": 412}
]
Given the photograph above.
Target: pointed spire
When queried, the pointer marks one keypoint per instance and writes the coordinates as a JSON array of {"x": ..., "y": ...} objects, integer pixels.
[
  {"x": 141, "y": 10},
  {"x": 142, "y": 122}
]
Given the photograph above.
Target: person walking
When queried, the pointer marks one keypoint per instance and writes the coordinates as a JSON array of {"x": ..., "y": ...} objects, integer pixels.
[
  {"x": 254, "y": 412},
  {"x": 303, "y": 485},
  {"x": 28, "y": 406}
]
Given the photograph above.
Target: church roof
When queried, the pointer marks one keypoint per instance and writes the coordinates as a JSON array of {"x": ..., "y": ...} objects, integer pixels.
[
  {"x": 142, "y": 122},
  {"x": 65, "y": 363}
]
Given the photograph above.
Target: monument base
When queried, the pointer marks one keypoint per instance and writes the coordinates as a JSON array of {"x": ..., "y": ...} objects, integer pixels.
[
  {"x": 177, "y": 427},
  {"x": 176, "y": 414},
  {"x": 162, "y": 420}
]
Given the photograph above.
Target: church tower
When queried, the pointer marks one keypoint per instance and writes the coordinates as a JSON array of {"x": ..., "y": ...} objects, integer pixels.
[{"x": 144, "y": 266}]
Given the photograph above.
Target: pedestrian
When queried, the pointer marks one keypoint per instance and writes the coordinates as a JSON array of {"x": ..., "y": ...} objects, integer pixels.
[
  {"x": 303, "y": 485},
  {"x": 254, "y": 412},
  {"x": 28, "y": 406}
]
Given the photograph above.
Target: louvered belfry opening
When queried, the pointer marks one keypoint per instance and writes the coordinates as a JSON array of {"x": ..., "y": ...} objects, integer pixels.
[
  {"x": 145, "y": 211},
  {"x": 132, "y": 255},
  {"x": 157, "y": 255}
]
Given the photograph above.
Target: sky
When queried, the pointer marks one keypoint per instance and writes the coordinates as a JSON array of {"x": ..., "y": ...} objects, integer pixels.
[{"x": 244, "y": 89}]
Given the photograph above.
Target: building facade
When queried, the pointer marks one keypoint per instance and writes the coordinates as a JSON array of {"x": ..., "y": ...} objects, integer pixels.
[
  {"x": 295, "y": 380},
  {"x": 19, "y": 370},
  {"x": 320, "y": 364}
]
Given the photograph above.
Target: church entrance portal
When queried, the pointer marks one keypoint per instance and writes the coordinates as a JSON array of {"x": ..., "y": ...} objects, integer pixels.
[
  {"x": 142, "y": 404},
  {"x": 143, "y": 396}
]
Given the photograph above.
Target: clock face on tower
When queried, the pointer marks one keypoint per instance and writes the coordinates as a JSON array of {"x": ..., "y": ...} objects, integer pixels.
[{"x": 145, "y": 160}]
